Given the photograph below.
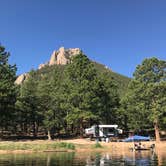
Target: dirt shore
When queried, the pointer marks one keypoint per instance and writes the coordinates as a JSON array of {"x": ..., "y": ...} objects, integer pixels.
[
  {"x": 114, "y": 146},
  {"x": 84, "y": 145}
]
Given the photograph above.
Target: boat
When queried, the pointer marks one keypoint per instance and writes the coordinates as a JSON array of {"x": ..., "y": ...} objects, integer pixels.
[{"x": 141, "y": 148}]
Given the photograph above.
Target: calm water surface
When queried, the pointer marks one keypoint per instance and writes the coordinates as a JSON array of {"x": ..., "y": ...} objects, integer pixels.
[{"x": 83, "y": 159}]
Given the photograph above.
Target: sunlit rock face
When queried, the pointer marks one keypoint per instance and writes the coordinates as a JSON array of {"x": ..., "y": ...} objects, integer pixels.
[
  {"x": 62, "y": 56},
  {"x": 59, "y": 57},
  {"x": 21, "y": 78}
]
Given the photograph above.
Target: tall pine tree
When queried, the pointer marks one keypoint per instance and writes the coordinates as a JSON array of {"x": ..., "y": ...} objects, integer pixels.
[
  {"x": 145, "y": 102},
  {"x": 7, "y": 89}
]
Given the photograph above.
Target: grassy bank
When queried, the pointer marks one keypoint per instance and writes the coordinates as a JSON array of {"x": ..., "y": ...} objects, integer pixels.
[
  {"x": 79, "y": 145},
  {"x": 32, "y": 146}
]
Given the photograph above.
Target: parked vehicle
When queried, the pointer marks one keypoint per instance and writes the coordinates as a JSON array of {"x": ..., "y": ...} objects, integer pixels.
[{"x": 103, "y": 131}]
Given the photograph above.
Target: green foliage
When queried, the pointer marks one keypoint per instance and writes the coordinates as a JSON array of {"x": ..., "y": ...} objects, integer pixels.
[
  {"x": 66, "y": 145},
  {"x": 51, "y": 97},
  {"x": 58, "y": 98},
  {"x": 92, "y": 98},
  {"x": 27, "y": 104},
  {"x": 37, "y": 147},
  {"x": 120, "y": 80},
  {"x": 68, "y": 98},
  {"x": 146, "y": 97},
  {"x": 97, "y": 145},
  {"x": 80, "y": 77},
  {"x": 8, "y": 90},
  {"x": 107, "y": 101}
]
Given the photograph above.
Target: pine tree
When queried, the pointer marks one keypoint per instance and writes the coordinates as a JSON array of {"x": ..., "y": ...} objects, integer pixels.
[
  {"x": 27, "y": 105},
  {"x": 50, "y": 100},
  {"x": 7, "y": 89},
  {"x": 92, "y": 99},
  {"x": 146, "y": 97}
]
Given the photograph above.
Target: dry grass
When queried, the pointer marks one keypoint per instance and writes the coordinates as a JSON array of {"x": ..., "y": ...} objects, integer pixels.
[
  {"x": 80, "y": 145},
  {"x": 35, "y": 146}
]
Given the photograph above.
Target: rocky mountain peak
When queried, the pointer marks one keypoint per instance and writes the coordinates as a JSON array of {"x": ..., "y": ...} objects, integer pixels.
[{"x": 59, "y": 57}]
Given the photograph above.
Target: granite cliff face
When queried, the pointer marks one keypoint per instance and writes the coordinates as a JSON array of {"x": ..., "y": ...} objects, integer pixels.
[
  {"x": 59, "y": 57},
  {"x": 21, "y": 78}
]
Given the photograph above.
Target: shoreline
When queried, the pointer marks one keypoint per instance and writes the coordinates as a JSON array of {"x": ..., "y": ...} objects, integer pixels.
[{"x": 73, "y": 145}]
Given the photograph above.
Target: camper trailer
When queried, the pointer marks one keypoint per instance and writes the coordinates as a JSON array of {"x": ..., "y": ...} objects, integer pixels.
[{"x": 103, "y": 131}]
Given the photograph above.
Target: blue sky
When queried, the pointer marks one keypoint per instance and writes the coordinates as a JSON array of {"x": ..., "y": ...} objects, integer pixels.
[{"x": 117, "y": 33}]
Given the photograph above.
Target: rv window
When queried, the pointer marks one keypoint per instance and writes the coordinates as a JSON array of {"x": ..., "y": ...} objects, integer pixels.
[
  {"x": 111, "y": 130},
  {"x": 108, "y": 130}
]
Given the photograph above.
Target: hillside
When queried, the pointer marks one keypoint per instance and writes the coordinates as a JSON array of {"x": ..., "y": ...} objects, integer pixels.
[
  {"x": 120, "y": 80},
  {"x": 59, "y": 60}
]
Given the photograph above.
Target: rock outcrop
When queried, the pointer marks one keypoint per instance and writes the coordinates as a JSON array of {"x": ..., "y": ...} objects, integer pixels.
[
  {"x": 60, "y": 57},
  {"x": 42, "y": 65},
  {"x": 21, "y": 78}
]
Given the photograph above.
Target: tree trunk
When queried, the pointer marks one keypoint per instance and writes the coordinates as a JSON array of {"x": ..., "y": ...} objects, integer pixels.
[
  {"x": 72, "y": 129},
  {"x": 157, "y": 134},
  {"x": 81, "y": 129},
  {"x": 34, "y": 129},
  {"x": 1, "y": 133},
  {"x": 37, "y": 128},
  {"x": 49, "y": 135}
]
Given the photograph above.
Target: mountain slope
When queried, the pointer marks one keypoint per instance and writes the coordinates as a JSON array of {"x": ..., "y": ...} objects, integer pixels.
[
  {"x": 120, "y": 80},
  {"x": 60, "y": 58}
]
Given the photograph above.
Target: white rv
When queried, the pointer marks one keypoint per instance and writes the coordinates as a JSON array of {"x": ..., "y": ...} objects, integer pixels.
[{"x": 103, "y": 131}]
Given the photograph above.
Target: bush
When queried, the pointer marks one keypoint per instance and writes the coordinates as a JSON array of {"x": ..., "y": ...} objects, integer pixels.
[
  {"x": 97, "y": 145},
  {"x": 70, "y": 146},
  {"x": 66, "y": 145}
]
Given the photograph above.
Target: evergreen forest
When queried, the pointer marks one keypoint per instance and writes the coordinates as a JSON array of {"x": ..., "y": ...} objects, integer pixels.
[{"x": 63, "y": 100}]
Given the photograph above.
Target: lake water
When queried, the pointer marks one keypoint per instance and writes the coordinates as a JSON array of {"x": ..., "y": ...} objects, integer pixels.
[{"x": 84, "y": 159}]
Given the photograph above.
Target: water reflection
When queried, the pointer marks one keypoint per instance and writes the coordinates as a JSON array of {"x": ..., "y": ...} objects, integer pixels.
[
  {"x": 41, "y": 159},
  {"x": 138, "y": 158},
  {"x": 85, "y": 159},
  {"x": 142, "y": 158},
  {"x": 132, "y": 158},
  {"x": 161, "y": 156}
]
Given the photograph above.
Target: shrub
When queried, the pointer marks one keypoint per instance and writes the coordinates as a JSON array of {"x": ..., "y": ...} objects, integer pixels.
[
  {"x": 97, "y": 145},
  {"x": 70, "y": 146},
  {"x": 66, "y": 145}
]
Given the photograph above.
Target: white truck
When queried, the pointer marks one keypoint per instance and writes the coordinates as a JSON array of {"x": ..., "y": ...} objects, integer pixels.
[{"x": 103, "y": 131}]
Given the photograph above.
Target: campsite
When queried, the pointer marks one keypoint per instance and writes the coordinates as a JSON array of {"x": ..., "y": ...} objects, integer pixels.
[{"x": 82, "y": 83}]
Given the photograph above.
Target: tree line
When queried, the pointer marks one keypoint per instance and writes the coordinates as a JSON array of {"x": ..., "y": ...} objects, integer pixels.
[{"x": 57, "y": 99}]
